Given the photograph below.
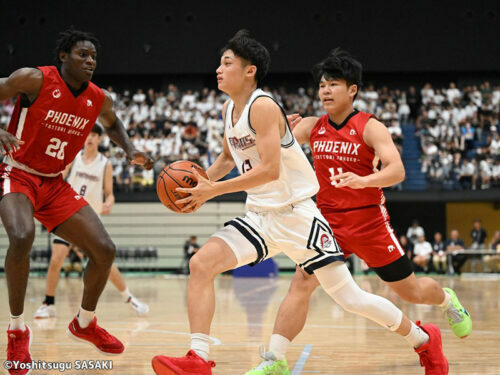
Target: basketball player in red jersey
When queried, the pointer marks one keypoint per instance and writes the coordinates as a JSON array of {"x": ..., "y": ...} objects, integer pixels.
[
  {"x": 347, "y": 145},
  {"x": 55, "y": 111}
]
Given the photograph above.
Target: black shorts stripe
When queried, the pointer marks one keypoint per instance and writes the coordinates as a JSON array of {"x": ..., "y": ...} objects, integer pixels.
[
  {"x": 60, "y": 241},
  {"x": 250, "y": 238},
  {"x": 324, "y": 262},
  {"x": 243, "y": 222},
  {"x": 398, "y": 270},
  {"x": 313, "y": 259}
]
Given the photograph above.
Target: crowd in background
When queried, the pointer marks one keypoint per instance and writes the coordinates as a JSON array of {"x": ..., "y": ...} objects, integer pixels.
[
  {"x": 460, "y": 135},
  {"x": 445, "y": 255},
  {"x": 458, "y": 128}
]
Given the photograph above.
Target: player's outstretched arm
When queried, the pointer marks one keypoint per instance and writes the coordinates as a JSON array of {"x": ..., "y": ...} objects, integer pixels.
[
  {"x": 116, "y": 132},
  {"x": 26, "y": 81},
  {"x": 302, "y": 129}
]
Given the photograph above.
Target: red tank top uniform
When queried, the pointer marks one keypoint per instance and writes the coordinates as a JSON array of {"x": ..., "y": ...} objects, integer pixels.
[
  {"x": 53, "y": 128},
  {"x": 358, "y": 217}
]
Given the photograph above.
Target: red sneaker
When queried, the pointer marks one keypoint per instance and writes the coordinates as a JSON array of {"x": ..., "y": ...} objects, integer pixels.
[
  {"x": 93, "y": 334},
  {"x": 191, "y": 364},
  {"x": 431, "y": 353},
  {"x": 18, "y": 350}
]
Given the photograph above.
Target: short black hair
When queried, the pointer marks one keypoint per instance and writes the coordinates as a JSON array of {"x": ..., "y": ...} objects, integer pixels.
[
  {"x": 97, "y": 129},
  {"x": 68, "y": 38},
  {"x": 246, "y": 47},
  {"x": 339, "y": 64}
]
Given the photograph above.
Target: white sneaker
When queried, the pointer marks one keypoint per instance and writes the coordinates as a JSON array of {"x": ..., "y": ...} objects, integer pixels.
[
  {"x": 45, "y": 312},
  {"x": 139, "y": 307}
]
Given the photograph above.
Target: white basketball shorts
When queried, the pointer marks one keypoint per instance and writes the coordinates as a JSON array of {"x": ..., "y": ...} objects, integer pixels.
[{"x": 298, "y": 230}]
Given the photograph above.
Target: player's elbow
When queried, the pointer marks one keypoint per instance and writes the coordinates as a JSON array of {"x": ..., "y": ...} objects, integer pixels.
[{"x": 401, "y": 173}]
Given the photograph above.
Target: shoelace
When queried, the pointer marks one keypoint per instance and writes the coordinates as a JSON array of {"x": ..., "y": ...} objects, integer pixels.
[
  {"x": 454, "y": 315},
  {"x": 103, "y": 333},
  {"x": 268, "y": 358},
  {"x": 191, "y": 353}
]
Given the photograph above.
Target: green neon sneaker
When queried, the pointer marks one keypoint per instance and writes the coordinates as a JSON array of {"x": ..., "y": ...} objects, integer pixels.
[
  {"x": 270, "y": 365},
  {"x": 459, "y": 319}
]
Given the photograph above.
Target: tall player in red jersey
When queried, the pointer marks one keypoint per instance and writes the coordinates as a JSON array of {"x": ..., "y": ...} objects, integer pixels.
[
  {"x": 347, "y": 146},
  {"x": 55, "y": 111}
]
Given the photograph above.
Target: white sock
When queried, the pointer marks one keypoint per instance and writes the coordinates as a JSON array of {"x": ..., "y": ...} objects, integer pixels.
[
  {"x": 417, "y": 336},
  {"x": 85, "y": 317},
  {"x": 200, "y": 343},
  {"x": 446, "y": 302},
  {"x": 278, "y": 345},
  {"x": 17, "y": 322},
  {"x": 126, "y": 295}
]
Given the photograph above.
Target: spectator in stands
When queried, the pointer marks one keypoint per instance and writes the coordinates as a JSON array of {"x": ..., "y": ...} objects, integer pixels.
[
  {"x": 492, "y": 262},
  {"x": 450, "y": 120},
  {"x": 414, "y": 232},
  {"x": 454, "y": 245},
  {"x": 478, "y": 234},
  {"x": 406, "y": 245},
  {"x": 190, "y": 248},
  {"x": 422, "y": 253},
  {"x": 439, "y": 254}
]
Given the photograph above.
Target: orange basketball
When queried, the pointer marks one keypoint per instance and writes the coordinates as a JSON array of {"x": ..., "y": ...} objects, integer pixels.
[{"x": 177, "y": 174}]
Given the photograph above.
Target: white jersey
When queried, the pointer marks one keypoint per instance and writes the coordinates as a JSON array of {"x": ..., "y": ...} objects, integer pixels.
[
  {"x": 88, "y": 179},
  {"x": 297, "y": 180}
]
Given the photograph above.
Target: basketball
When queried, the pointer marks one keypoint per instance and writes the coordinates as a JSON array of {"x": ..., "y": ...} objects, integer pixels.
[{"x": 175, "y": 175}]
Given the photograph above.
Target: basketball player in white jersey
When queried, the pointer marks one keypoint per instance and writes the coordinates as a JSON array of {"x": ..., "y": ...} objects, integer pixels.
[
  {"x": 281, "y": 216},
  {"x": 90, "y": 175}
]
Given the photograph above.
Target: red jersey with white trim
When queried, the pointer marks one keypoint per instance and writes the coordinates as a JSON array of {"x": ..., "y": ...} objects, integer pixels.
[
  {"x": 340, "y": 148},
  {"x": 54, "y": 127}
]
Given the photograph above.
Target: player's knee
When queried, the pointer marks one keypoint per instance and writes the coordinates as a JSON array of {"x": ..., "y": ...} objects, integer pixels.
[
  {"x": 57, "y": 260},
  {"x": 21, "y": 239},
  {"x": 107, "y": 252},
  {"x": 303, "y": 286},
  {"x": 353, "y": 303},
  {"x": 202, "y": 267}
]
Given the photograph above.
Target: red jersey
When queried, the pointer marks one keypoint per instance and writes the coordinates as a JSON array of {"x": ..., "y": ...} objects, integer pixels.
[
  {"x": 54, "y": 127},
  {"x": 340, "y": 148}
]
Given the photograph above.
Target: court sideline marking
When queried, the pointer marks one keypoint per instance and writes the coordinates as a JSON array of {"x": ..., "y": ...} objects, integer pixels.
[{"x": 299, "y": 365}]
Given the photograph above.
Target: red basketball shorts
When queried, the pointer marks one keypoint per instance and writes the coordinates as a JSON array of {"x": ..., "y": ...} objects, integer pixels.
[
  {"x": 367, "y": 233},
  {"x": 53, "y": 199}
]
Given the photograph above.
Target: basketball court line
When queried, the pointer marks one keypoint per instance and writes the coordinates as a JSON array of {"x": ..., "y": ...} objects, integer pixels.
[
  {"x": 114, "y": 326},
  {"x": 299, "y": 365}
]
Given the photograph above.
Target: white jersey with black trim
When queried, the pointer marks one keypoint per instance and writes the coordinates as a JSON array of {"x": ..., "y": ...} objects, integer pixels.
[
  {"x": 297, "y": 180},
  {"x": 88, "y": 179}
]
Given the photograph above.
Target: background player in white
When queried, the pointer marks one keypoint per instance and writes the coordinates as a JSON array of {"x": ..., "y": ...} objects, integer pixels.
[
  {"x": 91, "y": 175},
  {"x": 281, "y": 216}
]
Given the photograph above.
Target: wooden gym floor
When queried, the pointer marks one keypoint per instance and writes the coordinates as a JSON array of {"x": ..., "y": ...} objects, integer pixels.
[{"x": 333, "y": 342}]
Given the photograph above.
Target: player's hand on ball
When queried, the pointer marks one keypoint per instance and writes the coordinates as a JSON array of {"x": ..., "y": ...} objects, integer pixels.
[
  {"x": 293, "y": 120},
  {"x": 349, "y": 179},
  {"x": 204, "y": 190},
  {"x": 141, "y": 158}
]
